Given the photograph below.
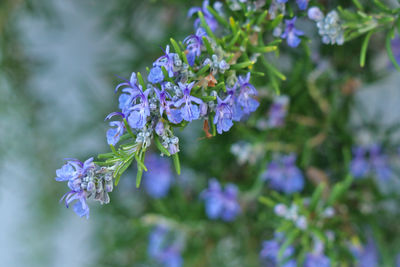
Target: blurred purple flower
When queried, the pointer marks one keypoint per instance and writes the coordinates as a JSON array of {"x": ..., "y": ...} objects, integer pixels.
[
  {"x": 159, "y": 177},
  {"x": 270, "y": 250},
  {"x": 283, "y": 175},
  {"x": 277, "y": 112},
  {"x": 291, "y": 34},
  {"x": 162, "y": 250},
  {"x": 174, "y": 115},
  {"x": 366, "y": 256},
  {"x": 208, "y": 17},
  {"x": 237, "y": 112},
  {"x": 221, "y": 204},
  {"x": 317, "y": 260}
]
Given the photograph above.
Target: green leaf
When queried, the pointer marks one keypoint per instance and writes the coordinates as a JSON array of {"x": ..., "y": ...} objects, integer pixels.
[
  {"x": 242, "y": 65},
  {"x": 358, "y": 4},
  {"x": 290, "y": 237},
  {"x": 218, "y": 17},
  {"x": 263, "y": 49},
  {"x": 176, "y": 46},
  {"x": 233, "y": 41},
  {"x": 140, "y": 80},
  {"x": 128, "y": 128},
  {"x": 267, "y": 201},
  {"x": 161, "y": 147},
  {"x": 203, "y": 70},
  {"x": 273, "y": 70},
  {"x": 389, "y": 49},
  {"x": 262, "y": 17},
  {"x": 205, "y": 26},
  {"x": 208, "y": 98},
  {"x": 316, "y": 196},
  {"x": 207, "y": 45},
  {"x": 364, "y": 49},
  {"x": 177, "y": 163}
]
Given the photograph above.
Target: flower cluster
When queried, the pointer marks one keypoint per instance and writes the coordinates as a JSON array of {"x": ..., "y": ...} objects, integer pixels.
[
  {"x": 85, "y": 180},
  {"x": 292, "y": 214},
  {"x": 329, "y": 26},
  {"x": 164, "y": 247},
  {"x": 369, "y": 160},
  {"x": 283, "y": 175},
  {"x": 220, "y": 203}
]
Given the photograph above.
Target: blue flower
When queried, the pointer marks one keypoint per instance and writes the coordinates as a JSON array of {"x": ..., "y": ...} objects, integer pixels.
[
  {"x": 189, "y": 111},
  {"x": 194, "y": 44},
  {"x": 376, "y": 164},
  {"x": 221, "y": 204},
  {"x": 223, "y": 115},
  {"x": 158, "y": 178},
  {"x": 113, "y": 134},
  {"x": 131, "y": 92},
  {"x": 237, "y": 111},
  {"x": 277, "y": 112},
  {"x": 247, "y": 92},
  {"x": 314, "y": 13},
  {"x": 166, "y": 61},
  {"x": 72, "y": 172},
  {"x": 379, "y": 162},
  {"x": 317, "y": 260},
  {"x": 359, "y": 166},
  {"x": 283, "y": 175},
  {"x": 156, "y": 75},
  {"x": 162, "y": 250},
  {"x": 270, "y": 250},
  {"x": 208, "y": 17},
  {"x": 139, "y": 112},
  {"x": 366, "y": 256},
  {"x": 174, "y": 115},
  {"x": 302, "y": 4},
  {"x": 291, "y": 33}
]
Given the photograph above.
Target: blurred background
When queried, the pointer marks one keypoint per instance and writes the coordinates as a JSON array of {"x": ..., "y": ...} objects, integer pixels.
[{"x": 58, "y": 66}]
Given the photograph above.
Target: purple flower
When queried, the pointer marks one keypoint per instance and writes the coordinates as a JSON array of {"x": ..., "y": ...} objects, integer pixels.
[
  {"x": 278, "y": 111},
  {"x": 247, "y": 92},
  {"x": 376, "y": 164},
  {"x": 395, "y": 43},
  {"x": 189, "y": 111},
  {"x": 158, "y": 178},
  {"x": 113, "y": 134},
  {"x": 379, "y": 162},
  {"x": 174, "y": 115},
  {"x": 194, "y": 44},
  {"x": 366, "y": 256},
  {"x": 314, "y": 13},
  {"x": 221, "y": 204},
  {"x": 72, "y": 172},
  {"x": 302, "y": 4},
  {"x": 237, "y": 112},
  {"x": 140, "y": 112},
  {"x": 270, "y": 250},
  {"x": 223, "y": 115},
  {"x": 317, "y": 260},
  {"x": 156, "y": 75},
  {"x": 283, "y": 175},
  {"x": 208, "y": 17},
  {"x": 162, "y": 250},
  {"x": 131, "y": 92},
  {"x": 291, "y": 33},
  {"x": 166, "y": 61},
  {"x": 359, "y": 166}
]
